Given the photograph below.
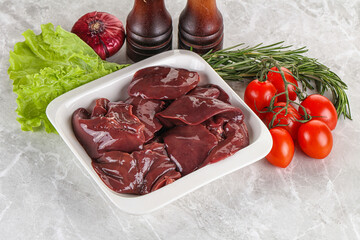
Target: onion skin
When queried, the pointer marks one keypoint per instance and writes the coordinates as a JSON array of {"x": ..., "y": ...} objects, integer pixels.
[{"x": 102, "y": 31}]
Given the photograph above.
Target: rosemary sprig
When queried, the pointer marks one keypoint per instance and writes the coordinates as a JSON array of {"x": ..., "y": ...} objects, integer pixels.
[{"x": 238, "y": 63}]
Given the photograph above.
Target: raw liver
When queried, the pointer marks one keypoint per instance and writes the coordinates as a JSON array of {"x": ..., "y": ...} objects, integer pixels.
[
  {"x": 188, "y": 146},
  {"x": 145, "y": 110},
  {"x": 162, "y": 83},
  {"x": 140, "y": 172},
  {"x": 113, "y": 127}
]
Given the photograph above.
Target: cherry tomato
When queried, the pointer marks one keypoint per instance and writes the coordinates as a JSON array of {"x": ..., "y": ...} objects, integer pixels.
[
  {"x": 315, "y": 139},
  {"x": 258, "y": 95},
  {"x": 282, "y": 150},
  {"x": 320, "y": 108},
  {"x": 278, "y": 82},
  {"x": 289, "y": 119}
]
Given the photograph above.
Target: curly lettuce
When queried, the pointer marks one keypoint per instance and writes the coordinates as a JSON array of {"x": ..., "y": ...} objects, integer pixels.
[{"x": 47, "y": 65}]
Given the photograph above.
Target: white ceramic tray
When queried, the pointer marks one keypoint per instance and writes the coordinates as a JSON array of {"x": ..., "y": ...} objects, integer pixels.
[{"x": 114, "y": 87}]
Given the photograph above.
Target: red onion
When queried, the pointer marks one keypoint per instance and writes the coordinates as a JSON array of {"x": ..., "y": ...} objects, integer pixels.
[{"x": 102, "y": 31}]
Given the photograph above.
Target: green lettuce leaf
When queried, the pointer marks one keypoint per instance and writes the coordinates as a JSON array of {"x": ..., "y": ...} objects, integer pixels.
[{"x": 47, "y": 65}]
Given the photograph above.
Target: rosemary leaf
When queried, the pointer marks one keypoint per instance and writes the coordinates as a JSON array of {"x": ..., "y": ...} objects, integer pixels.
[{"x": 238, "y": 63}]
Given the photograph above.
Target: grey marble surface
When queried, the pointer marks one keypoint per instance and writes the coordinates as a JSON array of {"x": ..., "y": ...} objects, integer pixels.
[{"x": 45, "y": 194}]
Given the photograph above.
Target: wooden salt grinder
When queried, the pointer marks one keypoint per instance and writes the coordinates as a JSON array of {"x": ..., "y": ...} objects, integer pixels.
[
  {"x": 201, "y": 26},
  {"x": 148, "y": 29}
]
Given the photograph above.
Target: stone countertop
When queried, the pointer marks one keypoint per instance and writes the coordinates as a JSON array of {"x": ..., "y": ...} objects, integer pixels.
[{"x": 45, "y": 193}]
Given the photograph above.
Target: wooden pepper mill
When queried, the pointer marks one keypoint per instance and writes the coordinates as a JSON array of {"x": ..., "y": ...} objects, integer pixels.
[
  {"x": 148, "y": 29},
  {"x": 201, "y": 26}
]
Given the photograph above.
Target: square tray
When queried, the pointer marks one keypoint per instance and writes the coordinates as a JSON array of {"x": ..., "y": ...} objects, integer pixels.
[{"x": 114, "y": 88}]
